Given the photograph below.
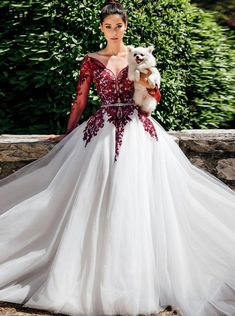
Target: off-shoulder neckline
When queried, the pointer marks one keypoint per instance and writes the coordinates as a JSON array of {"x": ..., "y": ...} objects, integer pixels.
[{"x": 101, "y": 63}]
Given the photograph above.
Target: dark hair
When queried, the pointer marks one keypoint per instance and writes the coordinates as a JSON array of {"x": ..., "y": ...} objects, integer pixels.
[{"x": 113, "y": 7}]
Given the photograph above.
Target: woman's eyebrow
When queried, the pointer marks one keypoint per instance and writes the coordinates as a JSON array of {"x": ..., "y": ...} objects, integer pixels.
[{"x": 110, "y": 24}]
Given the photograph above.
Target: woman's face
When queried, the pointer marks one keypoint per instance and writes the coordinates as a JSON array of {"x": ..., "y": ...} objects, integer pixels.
[{"x": 113, "y": 28}]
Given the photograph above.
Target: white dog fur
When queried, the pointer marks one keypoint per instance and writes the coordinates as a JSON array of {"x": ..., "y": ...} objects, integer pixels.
[{"x": 141, "y": 59}]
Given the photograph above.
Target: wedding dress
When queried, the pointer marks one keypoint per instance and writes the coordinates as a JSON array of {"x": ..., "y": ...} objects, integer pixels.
[{"x": 115, "y": 219}]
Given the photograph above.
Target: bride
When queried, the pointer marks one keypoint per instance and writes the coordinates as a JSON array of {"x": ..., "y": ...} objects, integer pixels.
[{"x": 115, "y": 219}]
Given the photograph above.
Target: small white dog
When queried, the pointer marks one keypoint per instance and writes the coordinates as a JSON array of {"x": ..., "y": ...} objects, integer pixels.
[{"x": 141, "y": 59}]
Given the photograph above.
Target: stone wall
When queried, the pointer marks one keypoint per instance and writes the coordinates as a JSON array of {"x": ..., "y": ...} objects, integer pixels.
[{"x": 212, "y": 150}]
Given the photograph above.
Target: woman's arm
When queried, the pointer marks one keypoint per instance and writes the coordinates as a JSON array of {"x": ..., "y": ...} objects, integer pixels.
[
  {"x": 80, "y": 100},
  {"x": 153, "y": 91},
  {"x": 144, "y": 80}
]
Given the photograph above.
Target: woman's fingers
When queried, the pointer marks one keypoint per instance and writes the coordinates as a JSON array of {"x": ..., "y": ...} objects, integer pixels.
[
  {"x": 46, "y": 138},
  {"x": 54, "y": 138},
  {"x": 144, "y": 80},
  {"x": 57, "y": 138}
]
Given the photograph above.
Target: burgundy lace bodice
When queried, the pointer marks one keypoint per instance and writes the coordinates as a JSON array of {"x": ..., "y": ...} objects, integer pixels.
[{"x": 112, "y": 89}]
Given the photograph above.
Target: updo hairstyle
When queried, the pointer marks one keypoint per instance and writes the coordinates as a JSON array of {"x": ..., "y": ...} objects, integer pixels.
[{"x": 113, "y": 7}]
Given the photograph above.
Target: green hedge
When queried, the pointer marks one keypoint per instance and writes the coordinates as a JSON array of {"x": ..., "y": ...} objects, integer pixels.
[
  {"x": 223, "y": 9},
  {"x": 212, "y": 72},
  {"x": 44, "y": 42},
  {"x": 24, "y": 63}
]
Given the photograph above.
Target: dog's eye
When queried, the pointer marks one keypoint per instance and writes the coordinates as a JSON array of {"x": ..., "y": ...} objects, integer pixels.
[
  {"x": 142, "y": 54},
  {"x": 135, "y": 54}
]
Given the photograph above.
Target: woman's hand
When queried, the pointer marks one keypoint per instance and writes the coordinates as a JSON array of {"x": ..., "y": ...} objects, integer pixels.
[
  {"x": 144, "y": 80},
  {"x": 54, "y": 138}
]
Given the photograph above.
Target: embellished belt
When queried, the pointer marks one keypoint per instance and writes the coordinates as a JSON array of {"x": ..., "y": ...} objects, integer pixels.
[
  {"x": 117, "y": 104},
  {"x": 119, "y": 117}
]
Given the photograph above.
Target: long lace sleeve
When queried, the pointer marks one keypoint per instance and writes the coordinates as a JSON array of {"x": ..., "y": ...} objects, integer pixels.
[
  {"x": 155, "y": 92},
  {"x": 81, "y": 97}
]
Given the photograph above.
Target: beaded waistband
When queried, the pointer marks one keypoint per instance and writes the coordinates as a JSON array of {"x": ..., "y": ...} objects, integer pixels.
[{"x": 117, "y": 104}]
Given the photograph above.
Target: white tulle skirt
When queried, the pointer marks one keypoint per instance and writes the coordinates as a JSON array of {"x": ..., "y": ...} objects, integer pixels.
[{"x": 81, "y": 234}]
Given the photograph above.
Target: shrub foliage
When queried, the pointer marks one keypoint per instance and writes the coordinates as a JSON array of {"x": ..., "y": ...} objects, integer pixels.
[{"x": 43, "y": 43}]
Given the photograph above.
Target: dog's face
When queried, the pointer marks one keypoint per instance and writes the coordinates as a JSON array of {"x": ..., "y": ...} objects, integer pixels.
[{"x": 140, "y": 54}]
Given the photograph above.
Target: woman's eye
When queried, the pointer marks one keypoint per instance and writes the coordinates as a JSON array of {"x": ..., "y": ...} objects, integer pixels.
[{"x": 119, "y": 26}]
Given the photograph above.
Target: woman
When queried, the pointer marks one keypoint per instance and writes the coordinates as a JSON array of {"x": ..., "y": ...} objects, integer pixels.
[{"x": 115, "y": 219}]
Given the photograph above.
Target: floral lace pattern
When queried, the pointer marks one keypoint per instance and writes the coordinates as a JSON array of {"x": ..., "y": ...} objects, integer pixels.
[
  {"x": 111, "y": 89},
  {"x": 119, "y": 116},
  {"x": 147, "y": 123},
  {"x": 94, "y": 123},
  {"x": 80, "y": 100}
]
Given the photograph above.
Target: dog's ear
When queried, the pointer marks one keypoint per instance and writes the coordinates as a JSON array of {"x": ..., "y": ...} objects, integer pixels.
[
  {"x": 130, "y": 48},
  {"x": 150, "y": 48}
]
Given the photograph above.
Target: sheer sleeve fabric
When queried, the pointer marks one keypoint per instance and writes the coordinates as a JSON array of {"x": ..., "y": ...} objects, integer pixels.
[{"x": 82, "y": 90}]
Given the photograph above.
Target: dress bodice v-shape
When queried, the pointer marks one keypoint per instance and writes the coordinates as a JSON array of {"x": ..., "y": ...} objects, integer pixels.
[{"x": 111, "y": 88}]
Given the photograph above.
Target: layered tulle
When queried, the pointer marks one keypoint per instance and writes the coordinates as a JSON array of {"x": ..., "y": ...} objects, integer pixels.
[{"x": 81, "y": 234}]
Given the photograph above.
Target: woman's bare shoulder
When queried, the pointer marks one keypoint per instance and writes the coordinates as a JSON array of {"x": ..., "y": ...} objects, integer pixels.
[{"x": 93, "y": 54}]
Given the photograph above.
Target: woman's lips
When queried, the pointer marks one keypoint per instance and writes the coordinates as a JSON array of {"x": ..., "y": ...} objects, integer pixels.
[{"x": 114, "y": 38}]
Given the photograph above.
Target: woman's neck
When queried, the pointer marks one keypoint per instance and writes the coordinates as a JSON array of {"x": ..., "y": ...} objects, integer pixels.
[{"x": 114, "y": 49}]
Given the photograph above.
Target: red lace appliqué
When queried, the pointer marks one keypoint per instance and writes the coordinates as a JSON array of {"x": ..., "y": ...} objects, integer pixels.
[
  {"x": 155, "y": 93},
  {"x": 147, "y": 123},
  {"x": 80, "y": 101},
  {"x": 111, "y": 89},
  {"x": 119, "y": 116},
  {"x": 94, "y": 123}
]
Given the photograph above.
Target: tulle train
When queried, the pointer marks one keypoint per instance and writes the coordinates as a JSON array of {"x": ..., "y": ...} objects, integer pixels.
[{"x": 81, "y": 234}]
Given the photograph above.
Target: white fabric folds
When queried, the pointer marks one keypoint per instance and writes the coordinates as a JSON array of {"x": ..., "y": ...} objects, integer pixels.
[{"x": 81, "y": 234}]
